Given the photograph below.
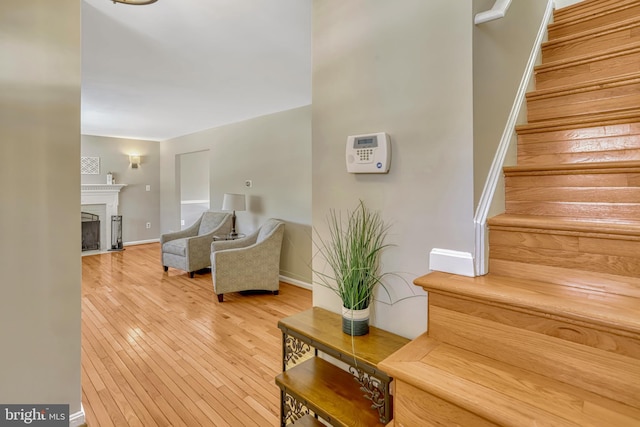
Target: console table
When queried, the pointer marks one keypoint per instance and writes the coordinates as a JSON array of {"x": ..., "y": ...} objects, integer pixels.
[{"x": 309, "y": 384}]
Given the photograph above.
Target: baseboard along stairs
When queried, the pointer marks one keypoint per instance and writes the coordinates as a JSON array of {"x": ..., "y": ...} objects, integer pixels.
[{"x": 551, "y": 336}]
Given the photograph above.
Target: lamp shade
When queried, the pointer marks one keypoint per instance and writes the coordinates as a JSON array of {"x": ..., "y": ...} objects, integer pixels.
[{"x": 233, "y": 202}]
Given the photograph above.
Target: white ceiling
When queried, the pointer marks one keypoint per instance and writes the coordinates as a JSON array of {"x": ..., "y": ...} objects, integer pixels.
[{"x": 180, "y": 66}]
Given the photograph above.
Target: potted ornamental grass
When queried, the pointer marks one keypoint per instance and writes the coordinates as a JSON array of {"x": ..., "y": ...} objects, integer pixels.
[{"x": 352, "y": 253}]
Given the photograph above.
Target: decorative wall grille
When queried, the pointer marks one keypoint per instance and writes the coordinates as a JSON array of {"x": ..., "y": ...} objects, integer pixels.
[{"x": 90, "y": 165}]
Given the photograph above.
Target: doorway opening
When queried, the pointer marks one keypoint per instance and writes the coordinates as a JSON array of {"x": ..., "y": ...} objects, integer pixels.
[{"x": 194, "y": 186}]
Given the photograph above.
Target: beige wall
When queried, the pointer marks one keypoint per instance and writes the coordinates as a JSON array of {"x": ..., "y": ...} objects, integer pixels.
[
  {"x": 40, "y": 198},
  {"x": 194, "y": 176},
  {"x": 274, "y": 151},
  {"x": 501, "y": 50},
  {"x": 137, "y": 206},
  {"x": 401, "y": 67}
]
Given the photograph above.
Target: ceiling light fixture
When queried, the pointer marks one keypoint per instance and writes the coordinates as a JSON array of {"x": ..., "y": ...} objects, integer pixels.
[{"x": 135, "y": 2}]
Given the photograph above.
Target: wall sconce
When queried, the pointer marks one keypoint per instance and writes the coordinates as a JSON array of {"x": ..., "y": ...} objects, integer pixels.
[{"x": 134, "y": 161}]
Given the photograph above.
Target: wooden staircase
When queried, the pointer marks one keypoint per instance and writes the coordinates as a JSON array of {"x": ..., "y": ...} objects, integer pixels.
[{"x": 551, "y": 336}]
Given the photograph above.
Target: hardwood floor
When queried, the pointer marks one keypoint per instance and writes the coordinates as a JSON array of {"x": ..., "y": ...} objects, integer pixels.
[{"x": 159, "y": 350}]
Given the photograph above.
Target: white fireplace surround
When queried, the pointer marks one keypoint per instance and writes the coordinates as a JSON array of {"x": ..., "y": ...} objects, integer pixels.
[{"x": 102, "y": 194}]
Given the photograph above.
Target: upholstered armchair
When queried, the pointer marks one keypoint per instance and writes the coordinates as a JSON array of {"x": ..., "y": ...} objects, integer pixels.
[
  {"x": 249, "y": 263},
  {"x": 189, "y": 249}
]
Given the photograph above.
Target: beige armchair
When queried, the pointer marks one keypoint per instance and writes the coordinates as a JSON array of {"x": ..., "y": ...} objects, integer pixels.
[
  {"x": 249, "y": 263},
  {"x": 190, "y": 249}
]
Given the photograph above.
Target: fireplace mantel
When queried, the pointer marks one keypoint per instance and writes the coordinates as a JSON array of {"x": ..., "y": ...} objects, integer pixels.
[
  {"x": 102, "y": 187},
  {"x": 102, "y": 194}
]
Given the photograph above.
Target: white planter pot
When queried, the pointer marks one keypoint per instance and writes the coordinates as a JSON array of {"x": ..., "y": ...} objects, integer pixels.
[{"x": 355, "y": 322}]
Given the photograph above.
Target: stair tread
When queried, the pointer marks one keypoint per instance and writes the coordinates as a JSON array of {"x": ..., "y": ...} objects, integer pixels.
[
  {"x": 593, "y": 20},
  {"x": 633, "y": 21},
  {"x": 561, "y": 21},
  {"x": 577, "y": 9},
  {"x": 608, "y": 310},
  {"x": 590, "y": 167},
  {"x": 601, "y": 119},
  {"x": 591, "y": 57},
  {"x": 598, "y": 84},
  {"x": 503, "y": 393},
  {"x": 627, "y": 227}
]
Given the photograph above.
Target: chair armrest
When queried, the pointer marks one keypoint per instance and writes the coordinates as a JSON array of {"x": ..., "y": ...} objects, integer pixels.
[
  {"x": 221, "y": 245},
  {"x": 192, "y": 230},
  {"x": 231, "y": 253},
  {"x": 199, "y": 248},
  {"x": 204, "y": 238},
  {"x": 248, "y": 247}
]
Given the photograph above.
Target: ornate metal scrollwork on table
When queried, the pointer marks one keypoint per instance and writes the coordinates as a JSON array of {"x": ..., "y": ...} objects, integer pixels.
[
  {"x": 295, "y": 349},
  {"x": 374, "y": 389},
  {"x": 293, "y": 410}
]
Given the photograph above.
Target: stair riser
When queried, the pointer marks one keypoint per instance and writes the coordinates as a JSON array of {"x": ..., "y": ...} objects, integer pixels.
[
  {"x": 419, "y": 408},
  {"x": 572, "y": 331},
  {"x": 574, "y": 194},
  {"x": 581, "y": 195},
  {"x": 598, "y": 144},
  {"x": 567, "y": 28},
  {"x": 547, "y": 78},
  {"x": 597, "y": 156},
  {"x": 609, "y": 255},
  {"x": 577, "y": 180},
  {"x": 599, "y": 42},
  {"x": 580, "y": 279},
  {"x": 558, "y": 358},
  {"x": 575, "y": 210},
  {"x": 580, "y": 103},
  {"x": 592, "y": 132}
]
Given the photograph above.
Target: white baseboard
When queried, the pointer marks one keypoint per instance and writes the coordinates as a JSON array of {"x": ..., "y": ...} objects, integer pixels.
[
  {"x": 77, "y": 419},
  {"x": 449, "y": 261},
  {"x": 297, "y": 283},
  {"x": 106, "y": 251},
  {"x": 141, "y": 242}
]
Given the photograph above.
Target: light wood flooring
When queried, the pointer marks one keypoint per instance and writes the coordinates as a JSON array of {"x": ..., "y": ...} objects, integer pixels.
[{"x": 159, "y": 350}]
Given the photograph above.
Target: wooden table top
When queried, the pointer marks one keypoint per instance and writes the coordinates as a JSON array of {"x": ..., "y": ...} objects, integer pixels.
[{"x": 325, "y": 327}]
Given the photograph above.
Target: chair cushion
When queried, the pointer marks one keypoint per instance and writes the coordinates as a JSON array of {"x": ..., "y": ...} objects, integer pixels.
[{"x": 176, "y": 247}]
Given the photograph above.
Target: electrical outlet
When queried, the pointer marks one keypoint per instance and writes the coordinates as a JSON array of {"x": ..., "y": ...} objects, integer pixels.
[
  {"x": 148, "y": 188},
  {"x": 148, "y": 225},
  {"x": 248, "y": 183},
  {"x": 182, "y": 222}
]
